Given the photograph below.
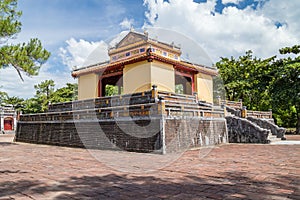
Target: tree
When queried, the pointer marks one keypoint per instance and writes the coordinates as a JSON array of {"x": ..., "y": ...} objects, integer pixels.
[
  {"x": 44, "y": 92},
  {"x": 247, "y": 78},
  {"x": 31, "y": 106},
  {"x": 285, "y": 89},
  {"x": 25, "y": 57},
  {"x": 111, "y": 90},
  {"x": 16, "y": 102},
  {"x": 266, "y": 83},
  {"x": 65, "y": 94},
  {"x": 3, "y": 97}
]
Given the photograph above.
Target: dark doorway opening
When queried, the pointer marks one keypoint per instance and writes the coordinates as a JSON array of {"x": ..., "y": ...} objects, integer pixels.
[
  {"x": 112, "y": 85},
  {"x": 183, "y": 84}
]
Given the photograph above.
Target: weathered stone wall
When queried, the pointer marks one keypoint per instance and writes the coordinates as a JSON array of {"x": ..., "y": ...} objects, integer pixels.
[
  {"x": 241, "y": 130},
  {"x": 269, "y": 124},
  {"x": 185, "y": 133},
  {"x": 140, "y": 135},
  {"x": 96, "y": 134}
]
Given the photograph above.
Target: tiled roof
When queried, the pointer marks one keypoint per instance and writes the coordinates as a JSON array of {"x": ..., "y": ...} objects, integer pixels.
[{"x": 141, "y": 57}]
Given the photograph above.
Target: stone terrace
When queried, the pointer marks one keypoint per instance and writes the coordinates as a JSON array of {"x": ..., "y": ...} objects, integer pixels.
[{"x": 233, "y": 171}]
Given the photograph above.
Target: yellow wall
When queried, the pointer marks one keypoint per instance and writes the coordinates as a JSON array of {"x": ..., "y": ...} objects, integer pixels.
[
  {"x": 139, "y": 77},
  {"x": 163, "y": 76},
  {"x": 136, "y": 77},
  {"x": 204, "y": 87},
  {"x": 88, "y": 86}
]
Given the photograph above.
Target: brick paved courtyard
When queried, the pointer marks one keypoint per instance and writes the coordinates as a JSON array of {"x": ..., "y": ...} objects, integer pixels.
[{"x": 233, "y": 171}]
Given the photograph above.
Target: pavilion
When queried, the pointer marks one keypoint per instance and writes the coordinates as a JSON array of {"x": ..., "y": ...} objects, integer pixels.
[
  {"x": 137, "y": 62},
  {"x": 146, "y": 98}
]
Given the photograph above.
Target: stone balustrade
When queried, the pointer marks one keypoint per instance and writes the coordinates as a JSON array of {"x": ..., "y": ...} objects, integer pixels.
[{"x": 241, "y": 130}]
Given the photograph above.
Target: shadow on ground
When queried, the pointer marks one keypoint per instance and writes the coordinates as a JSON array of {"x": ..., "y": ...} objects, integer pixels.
[
  {"x": 233, "y": 185},
  {"x": 7, "y": 144}
]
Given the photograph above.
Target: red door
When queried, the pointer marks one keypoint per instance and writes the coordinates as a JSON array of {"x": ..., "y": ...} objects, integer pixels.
[{"x": 8, "y": 124}]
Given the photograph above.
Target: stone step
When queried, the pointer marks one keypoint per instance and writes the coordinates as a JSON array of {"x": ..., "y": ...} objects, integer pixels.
[{"x": 273, "y": 138}]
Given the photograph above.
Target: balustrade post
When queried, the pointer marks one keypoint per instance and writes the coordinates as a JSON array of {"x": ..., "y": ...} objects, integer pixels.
[
  {"x": 270, "y": 114},
  {"x": 241, "y": 103},
  {"x": 161, "y": 106},
  {"x": 154, "y": 93},
  {"x": 196, "y": 96},
  {"x": 244, "y": 112}
]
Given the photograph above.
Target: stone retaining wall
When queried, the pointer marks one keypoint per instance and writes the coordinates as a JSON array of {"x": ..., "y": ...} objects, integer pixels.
[
  {"x": 184, "y": 133},
  {"x": 156, "y": 135},
  {"x": 150, "y": 121},
  {"x": 241, "y": 130},
  {"x": 94, "y": 134}
]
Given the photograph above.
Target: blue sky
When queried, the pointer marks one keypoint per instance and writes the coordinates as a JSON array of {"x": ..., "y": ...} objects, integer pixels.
[
  {"x": 72, "y": 29},
  {"x": 56, "y": 21}
]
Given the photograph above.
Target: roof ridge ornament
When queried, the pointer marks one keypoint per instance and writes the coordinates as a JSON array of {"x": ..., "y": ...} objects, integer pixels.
[
  {"x": 146, "y": 33},
  {"x": 131, "y": 28}
]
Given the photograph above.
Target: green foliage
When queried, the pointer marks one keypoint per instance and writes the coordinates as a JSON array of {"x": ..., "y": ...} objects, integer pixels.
[
  {"x": 31, "y": 106},
  {"x": 25, "y": 57},
  {"x": 285, "y": 89},
  {"x": 65, "y": 94},
  {"x": 286, "y": 117},
  {"x": 179, "y": 89},
  {"x": 111, "y": 90},
  {"x": 247, "y": 78},
  {"x": 17, "y": 102},
  {"x": 45, "y": 94},
  {"x": 265, "y": 83},
  {"x": 3, "y": 97},
  {"x": 9, "y": 24}
]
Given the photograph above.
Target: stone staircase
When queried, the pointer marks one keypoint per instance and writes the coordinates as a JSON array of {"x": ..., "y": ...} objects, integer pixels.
[{"x": 240, "y": 128}]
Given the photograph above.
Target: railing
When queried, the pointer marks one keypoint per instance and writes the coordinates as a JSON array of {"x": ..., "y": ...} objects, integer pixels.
[
  {"x": 177, "y": 97},
  {"x": 232, "y": 104},
  {"x": 238, "y": 105},
  {"x": 259, "y": 114},
  {"x": 142, "y": 104},
  {"x": 96, "y": 113},
  {"x": 104, "y": 102}
]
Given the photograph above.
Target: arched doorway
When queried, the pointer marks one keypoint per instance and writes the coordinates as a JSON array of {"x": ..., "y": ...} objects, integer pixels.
[{"x": 8, "y": 124}]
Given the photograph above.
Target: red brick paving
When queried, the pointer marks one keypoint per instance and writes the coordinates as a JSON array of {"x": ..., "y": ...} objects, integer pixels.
[{"x": 233, "y": 171}]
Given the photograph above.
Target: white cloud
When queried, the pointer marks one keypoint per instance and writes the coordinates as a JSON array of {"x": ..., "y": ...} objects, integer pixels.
[
  {"x": 82, "y": 53},
  {"x": 127, "y": 23},
  {"x": 76, "y": 53},
  {"x": 12, "y": 84},
  {"x": 234, "y": 31},
  {"x": 231, "y": 1}
]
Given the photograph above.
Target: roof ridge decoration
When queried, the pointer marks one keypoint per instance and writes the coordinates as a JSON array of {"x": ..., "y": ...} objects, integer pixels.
[{"x": 131, "y": 38}]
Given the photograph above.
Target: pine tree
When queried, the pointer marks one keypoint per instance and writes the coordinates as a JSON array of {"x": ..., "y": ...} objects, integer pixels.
[{"x": 26, "y": 57}]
